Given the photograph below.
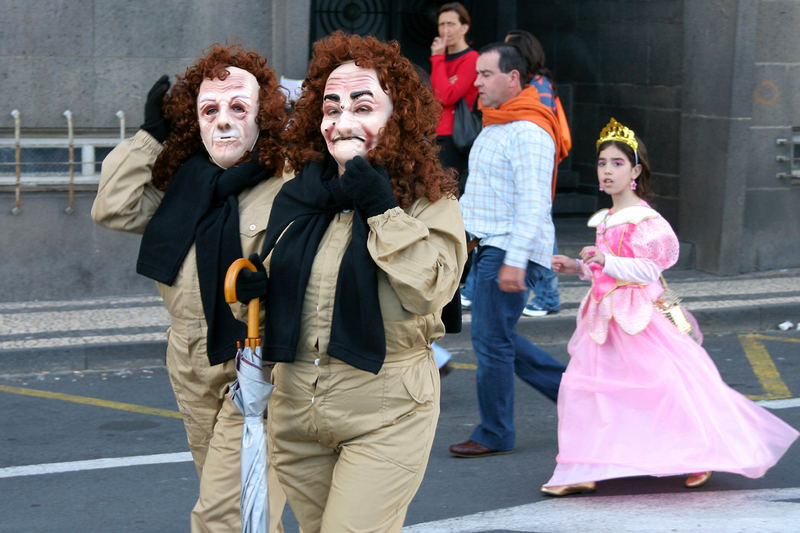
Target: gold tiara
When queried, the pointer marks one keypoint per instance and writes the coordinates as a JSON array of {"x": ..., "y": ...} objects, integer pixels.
[{"x": 614, "y": 131}]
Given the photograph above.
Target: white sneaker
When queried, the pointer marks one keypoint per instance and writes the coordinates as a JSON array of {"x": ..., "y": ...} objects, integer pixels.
[
  {"x": 465, "y": 302},
  {"x": 535, "y": 312}
]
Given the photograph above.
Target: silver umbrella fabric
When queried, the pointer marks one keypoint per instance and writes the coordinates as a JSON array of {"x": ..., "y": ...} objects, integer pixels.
[{"x": 251, "y": 394}]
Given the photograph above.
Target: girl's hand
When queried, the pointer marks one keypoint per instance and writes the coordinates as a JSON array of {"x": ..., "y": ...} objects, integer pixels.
[
  {"x": 590, "y": 254},
  {"x": 438, "y": 46},
  {"x": 564, "y": 264}
]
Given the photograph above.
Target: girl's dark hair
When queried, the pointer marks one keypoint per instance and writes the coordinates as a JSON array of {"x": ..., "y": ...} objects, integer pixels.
[
  {"x": 531, "y": 49},
  {"x": 643, "y": 181}
]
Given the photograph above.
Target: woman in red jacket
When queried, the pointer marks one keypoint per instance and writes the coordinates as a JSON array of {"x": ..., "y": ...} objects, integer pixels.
[{"x": 452, "y": 78}]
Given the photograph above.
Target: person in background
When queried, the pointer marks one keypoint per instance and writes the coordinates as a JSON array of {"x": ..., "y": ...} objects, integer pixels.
[
  {"x": 198, "y": 180},
  {"x": 452, "y": 78},
  {"x": 641, "y": 396},
  {"x": 545, "y": 299},
  {"x": 506, "y": 209},
  {"x": 364, "y": 248}
]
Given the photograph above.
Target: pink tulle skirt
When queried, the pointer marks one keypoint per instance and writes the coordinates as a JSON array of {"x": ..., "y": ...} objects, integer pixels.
[{"x": 654, "y": 404}]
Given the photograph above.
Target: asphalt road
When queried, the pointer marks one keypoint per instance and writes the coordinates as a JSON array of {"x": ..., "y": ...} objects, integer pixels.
[{"x": 56, "y": 429}]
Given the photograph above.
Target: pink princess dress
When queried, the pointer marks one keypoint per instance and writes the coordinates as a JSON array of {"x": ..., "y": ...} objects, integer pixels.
[{"x": 639, "y": 397}]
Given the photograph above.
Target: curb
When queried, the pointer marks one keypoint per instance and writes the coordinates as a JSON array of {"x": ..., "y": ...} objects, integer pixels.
[
  {"x": 553, "y": 329},
  {"x": 712, "y": 321},
  {"x": 558, "y": 329},
  {"x": 86, "y": 357}
]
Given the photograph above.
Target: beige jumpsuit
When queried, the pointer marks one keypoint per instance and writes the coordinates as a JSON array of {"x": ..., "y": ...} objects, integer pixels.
[
  {"x": 126, "y": 200},
  {"x": 351, "y": 447}
]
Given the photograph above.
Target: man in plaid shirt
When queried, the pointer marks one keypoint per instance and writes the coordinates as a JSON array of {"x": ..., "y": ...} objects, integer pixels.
[{"x": 506, "y": 208}]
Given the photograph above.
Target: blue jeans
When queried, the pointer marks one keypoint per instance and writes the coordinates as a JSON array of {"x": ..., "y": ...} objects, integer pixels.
[
  {"x": 469, "y": 283},
  {"x": 501, "y": 352},
  {"x": 545, "y": 288}
]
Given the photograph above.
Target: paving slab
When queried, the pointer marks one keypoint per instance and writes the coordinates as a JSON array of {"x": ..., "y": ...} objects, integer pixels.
[{"x": 130, "y": 331}]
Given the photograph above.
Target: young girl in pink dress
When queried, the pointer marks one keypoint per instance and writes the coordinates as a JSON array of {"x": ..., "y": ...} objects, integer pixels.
[{"x": 639, "y": 396}]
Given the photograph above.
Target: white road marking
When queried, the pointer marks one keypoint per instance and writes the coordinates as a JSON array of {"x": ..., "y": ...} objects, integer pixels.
[
  {"x": 94, "y": 464},
  {"x": 732, "y": 511},
  {"x": 780, "y": 404}
]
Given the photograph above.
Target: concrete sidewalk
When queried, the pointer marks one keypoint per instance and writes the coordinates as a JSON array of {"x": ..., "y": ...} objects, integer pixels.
[{"x": 129, "y": 331}]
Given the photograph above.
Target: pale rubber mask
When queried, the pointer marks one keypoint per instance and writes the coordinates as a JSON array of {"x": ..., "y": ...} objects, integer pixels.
[
  {"x": 355, "y": 110},
  {"x": 226, "y": 111}
]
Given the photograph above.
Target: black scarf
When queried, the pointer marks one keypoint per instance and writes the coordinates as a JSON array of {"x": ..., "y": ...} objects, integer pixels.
[
  {"x": 201, "y": 206},
  {"x": 309, "y": 202}
]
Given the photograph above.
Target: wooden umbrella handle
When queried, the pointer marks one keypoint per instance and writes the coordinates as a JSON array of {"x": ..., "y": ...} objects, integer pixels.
[{"x": 230, "y": 295}]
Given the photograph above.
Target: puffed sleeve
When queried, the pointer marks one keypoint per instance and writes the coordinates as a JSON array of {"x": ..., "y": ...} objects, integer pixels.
[
  {"x": 126, "y": 198},
  {"x": 655, "y": 248},
  {"x": 655, "y": 240},
  {"x": 422, "y": 251}
]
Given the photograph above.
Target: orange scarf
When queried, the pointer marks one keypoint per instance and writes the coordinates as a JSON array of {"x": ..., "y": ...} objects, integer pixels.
[{"x": 527, "y": 106}]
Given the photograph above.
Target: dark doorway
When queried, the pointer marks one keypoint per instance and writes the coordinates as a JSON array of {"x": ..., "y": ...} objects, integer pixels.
[{"x": 411, "y": 22}]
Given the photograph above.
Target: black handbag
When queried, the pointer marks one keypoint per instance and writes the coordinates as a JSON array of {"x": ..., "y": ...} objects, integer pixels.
[{"x": 466, "y": 125}]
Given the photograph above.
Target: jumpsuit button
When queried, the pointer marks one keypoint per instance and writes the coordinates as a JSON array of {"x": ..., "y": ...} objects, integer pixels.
[
  {"x": 252, "y": 227},
  {"x": 316, "y": 361},
  {"x": 312, "y": 399}
]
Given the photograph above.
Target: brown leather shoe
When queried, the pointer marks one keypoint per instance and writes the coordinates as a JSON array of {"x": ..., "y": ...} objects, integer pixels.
[{"x": 470, "y": 448}]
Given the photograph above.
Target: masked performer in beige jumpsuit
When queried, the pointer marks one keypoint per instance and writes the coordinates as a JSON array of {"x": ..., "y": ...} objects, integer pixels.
[
  {"x": 366, "y": 245},
  {"x": 198, "y": 181}
]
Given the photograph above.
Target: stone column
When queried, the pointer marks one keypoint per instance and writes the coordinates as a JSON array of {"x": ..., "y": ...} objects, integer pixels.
[
  {"x": 290, "y": 38},
  {"x": 719, "y": 46}
]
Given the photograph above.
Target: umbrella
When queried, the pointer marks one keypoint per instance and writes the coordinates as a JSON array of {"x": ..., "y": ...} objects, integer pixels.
[{"x": 251, "y": 392}]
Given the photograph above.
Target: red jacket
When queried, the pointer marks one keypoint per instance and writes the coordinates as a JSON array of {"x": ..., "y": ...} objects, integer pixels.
[{"x": 453, "y": 78}]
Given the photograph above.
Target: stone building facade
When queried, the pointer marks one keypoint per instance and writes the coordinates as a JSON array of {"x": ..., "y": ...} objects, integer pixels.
[{"x": 712, "y": 86}]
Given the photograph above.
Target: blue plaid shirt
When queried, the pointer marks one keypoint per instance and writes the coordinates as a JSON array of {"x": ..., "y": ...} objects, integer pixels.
[{"x": 507, "y": 202}]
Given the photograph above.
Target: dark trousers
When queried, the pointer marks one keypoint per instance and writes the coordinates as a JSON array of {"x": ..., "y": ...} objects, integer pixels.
[{"x": 452, "y": 157}]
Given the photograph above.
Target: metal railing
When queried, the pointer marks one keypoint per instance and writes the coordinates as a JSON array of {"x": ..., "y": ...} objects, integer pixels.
[
  {"x": 50, "y": 163},
  {"x": 791, "y": 174}
]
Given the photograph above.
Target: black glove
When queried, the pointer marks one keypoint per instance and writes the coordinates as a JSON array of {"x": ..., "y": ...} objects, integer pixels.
[
  {"x": 154, "y": 122},
  {"x": 368, "y": 187},
  {"x": 251, "y": 284}
]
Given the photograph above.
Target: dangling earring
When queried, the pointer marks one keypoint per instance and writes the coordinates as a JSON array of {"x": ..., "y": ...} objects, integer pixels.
[
  {"x": 600, "y": 188},
  {"x": 633, "y": 185}
]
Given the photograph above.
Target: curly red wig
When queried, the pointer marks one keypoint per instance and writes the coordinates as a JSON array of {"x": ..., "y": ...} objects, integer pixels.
[
  {"x": 180, "y": 108},
  {"x": 406, "y": 148}
]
